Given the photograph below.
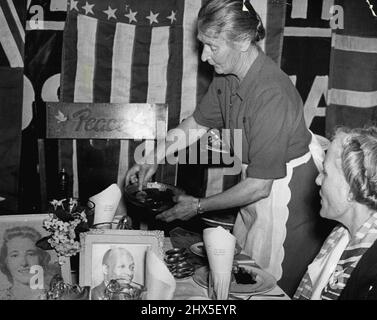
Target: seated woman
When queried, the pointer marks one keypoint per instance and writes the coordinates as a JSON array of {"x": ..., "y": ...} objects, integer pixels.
[{"x": 346, "y": 266}]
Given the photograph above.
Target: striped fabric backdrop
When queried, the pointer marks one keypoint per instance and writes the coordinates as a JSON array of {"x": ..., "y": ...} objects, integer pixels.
[
  {"x": 12, "y": 43},
  {"x": 12, "y": 33},
  {"x": 352, "y": 91}
]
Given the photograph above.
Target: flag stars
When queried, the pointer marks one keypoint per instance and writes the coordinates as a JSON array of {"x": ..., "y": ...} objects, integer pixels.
[
  {"x": 131, "y": 16},
  {"x": 110, "y": 13},
  {"x": 152, "y": 17},
  {"x": 88, "y": 8},
  {"x": 74, "y": 5},
  {"x": 172, "y": 17}
]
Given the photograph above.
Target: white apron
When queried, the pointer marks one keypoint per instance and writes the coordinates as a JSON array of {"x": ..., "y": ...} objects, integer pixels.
[{"x": 260, "y": 228}]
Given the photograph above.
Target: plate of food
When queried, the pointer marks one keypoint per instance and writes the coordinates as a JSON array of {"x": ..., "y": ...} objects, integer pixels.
[
  {"x": 200, "y": 250},
  {"x": 246, "y": 279},
  {"x": 154, "y": 196}
]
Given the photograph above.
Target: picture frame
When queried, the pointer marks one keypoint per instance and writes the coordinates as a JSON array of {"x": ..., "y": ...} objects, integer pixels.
[
  {"x": 25, "y": 268},
  {"x": 99, "y": 246}
]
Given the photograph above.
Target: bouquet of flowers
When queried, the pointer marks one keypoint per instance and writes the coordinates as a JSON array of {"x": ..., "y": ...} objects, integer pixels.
[{"x": 67, "y": 220}]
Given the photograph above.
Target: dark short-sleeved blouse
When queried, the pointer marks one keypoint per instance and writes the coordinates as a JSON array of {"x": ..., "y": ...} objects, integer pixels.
[{"x": 268, "y": 108}]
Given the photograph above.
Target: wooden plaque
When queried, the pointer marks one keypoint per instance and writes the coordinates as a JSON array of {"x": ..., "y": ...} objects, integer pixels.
[{"x": 106, "y": 120}]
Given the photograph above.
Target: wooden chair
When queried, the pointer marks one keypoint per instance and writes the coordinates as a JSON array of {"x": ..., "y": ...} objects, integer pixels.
[{"x": 67, "y": 122}]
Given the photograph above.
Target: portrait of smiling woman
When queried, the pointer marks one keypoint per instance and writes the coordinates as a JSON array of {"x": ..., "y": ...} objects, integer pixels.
[{"x": 18, "y": 254}]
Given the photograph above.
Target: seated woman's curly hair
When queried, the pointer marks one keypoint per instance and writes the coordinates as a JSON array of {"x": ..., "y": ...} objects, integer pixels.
[
  {"x": 21, "y": 232},
  {"x": 359, "y": 163}
]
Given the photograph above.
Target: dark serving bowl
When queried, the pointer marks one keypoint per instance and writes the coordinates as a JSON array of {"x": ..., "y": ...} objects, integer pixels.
[{"x": 156, "y": 197}]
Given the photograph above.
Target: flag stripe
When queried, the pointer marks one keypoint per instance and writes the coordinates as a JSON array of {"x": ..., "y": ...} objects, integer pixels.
[
  {"x": 12, "y": 18},
  {"x": 326, "y": 5},
  {"x": 103, "y": 54},
  {"x": 353, "y": 98},
  {"x": 121, "y": 84},
  {"x": 299, "y": 9},
  {"x": 158, "y": 65},
  {"x": 275, "y": 22},
  {"x": 190, "y": 61},
  {"x": 83, "y": 90},
  {"x": 139, "y": 77},
  {"x": 358, "y": 19},
  {"x": 174, "y": 76},
  {"x": 69, "y": 56},
  {"x": 10, "y": 47},
  {"x": 355, "y": 44},
  {"x": 46, "y": 25},
  {"x": 58, "y": 5},
  {"x": 121, "y": 63},
  {"x": 86, "y": 39},
  {"x": 352, "y": 117},
  {"x": 354, "y": 71},
  {"x": 307, "y": 32},
  {"x": 17, "y": 20}
]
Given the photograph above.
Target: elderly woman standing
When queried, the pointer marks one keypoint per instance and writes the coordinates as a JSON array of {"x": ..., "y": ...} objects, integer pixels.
[
  {"x": 346, "y": 266},
  {"x": 278, "y": 222}
]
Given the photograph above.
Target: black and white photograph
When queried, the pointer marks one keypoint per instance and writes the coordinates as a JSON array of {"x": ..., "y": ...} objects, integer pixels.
[
  {"x": 125, "y": 263},
  {"x": 118, "y": 255},
  {"x": 26, "y": 270},
  {"x": 189, "y": 149}
]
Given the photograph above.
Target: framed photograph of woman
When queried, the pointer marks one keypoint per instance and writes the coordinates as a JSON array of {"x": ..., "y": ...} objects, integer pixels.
[
  {"x": 116, "y": 255},
  {"x": 26, "y": 270}
]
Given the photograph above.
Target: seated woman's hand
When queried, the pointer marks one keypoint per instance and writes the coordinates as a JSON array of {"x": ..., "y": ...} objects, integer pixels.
[{"x": 185, "y": 209}]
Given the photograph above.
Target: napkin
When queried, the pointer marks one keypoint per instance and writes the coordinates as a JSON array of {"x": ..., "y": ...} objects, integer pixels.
[
  {"x": 220, "y": 244},
  {"x": 106, "y": 203},
  {"x": 159, "y": 281}
]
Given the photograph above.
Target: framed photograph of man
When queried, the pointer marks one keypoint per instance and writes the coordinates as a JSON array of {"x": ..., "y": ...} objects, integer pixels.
[
  {"x": 116, "y": 255},
  {"x": 26, "y": 270}
]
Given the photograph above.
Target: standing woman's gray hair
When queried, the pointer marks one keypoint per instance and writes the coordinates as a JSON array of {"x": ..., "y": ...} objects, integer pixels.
[{"x": 229, "y": 17}]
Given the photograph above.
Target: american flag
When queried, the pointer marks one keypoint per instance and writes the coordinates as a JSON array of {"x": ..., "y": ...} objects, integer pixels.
[{"x": 353, "y": 67}]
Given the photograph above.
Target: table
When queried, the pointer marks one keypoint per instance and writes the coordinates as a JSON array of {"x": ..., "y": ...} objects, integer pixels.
[{"x": 187, "y": 289}]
